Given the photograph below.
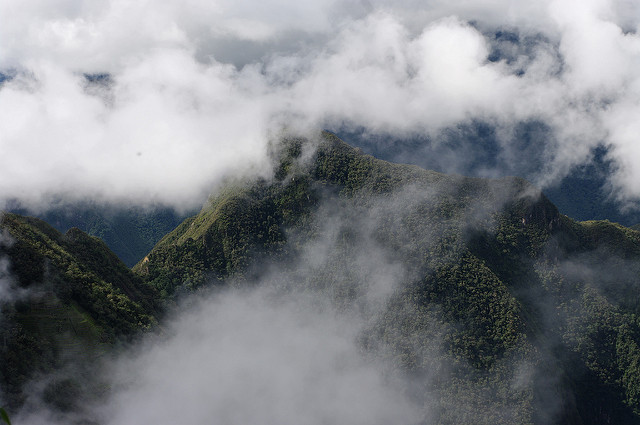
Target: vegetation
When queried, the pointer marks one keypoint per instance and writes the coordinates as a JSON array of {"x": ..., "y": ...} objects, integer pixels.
[
  {"x": 4, "y": 416},
  {"x": 71, "y": 294},
  {"x": 503, "y": 311},
  {"x": 236, "y": 226},
  {"x": 492, "y": 264},
  {"x": 129, "y": 232}
]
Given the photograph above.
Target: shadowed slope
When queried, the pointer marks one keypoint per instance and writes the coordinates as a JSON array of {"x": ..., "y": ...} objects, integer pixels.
[{"x": 66, "y": 296}]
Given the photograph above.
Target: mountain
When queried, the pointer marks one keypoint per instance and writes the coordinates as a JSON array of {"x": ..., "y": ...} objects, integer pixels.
[
  {"x": 65, "y": 299},
  {"x": 128, "y": 231},
  {"x": 490, "y": 268},
  {"x": 479, "y": 297}
]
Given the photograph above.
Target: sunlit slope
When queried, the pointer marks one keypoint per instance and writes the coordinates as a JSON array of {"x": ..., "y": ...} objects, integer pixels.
[
  {"x": 65, "y": 298},
  {"x": 251, "y": 219},
  {"x": 489, "y": 268}
]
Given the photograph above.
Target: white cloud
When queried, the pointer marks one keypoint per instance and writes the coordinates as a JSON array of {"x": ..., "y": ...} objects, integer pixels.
[
  {"x": 197, "y": 87},
  {"x": 248, "y": 357},
  {"x": 164, "y": 131}
]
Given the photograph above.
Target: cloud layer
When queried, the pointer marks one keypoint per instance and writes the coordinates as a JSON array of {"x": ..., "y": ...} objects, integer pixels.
[
  {"x": 244, "y": 358},
  {"x": 156, "y": 102}
]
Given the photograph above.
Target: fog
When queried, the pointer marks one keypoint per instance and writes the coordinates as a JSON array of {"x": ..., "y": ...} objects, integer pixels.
[
  {"x": 284, "y": 346},
  {"x": 246, "y": 358},
  {"x": 324, "y": 334},
  {"x": 158, "y": 102}
]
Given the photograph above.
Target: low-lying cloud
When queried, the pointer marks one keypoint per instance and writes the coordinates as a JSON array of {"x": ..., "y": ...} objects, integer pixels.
[
  {"x": 282, "y": 348},
  {"x": 244, "y": 358},
  {"x": 191, "y": 93}
]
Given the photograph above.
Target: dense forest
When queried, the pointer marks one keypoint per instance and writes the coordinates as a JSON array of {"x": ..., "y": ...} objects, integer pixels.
[{"x": 487, "y": 303}]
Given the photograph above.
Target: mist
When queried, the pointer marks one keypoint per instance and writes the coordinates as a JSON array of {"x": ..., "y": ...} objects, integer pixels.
[
  {"x": 246, "y": 356},
  {"x": 9, "y": 291},
  {"x": 282, "y": 345},
  {"x": 159, "y": 103},
  {"x": 329, "y": 332},
  {"x": 242, "y": 358}
]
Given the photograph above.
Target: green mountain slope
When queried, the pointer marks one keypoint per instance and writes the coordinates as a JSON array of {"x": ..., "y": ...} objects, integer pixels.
[
  {"x": 536, "y": 315},
  {"x": 66, "y": 298},
  {"x": 129, "y": 232},
  {"x": 492, "y": 306},
  {"x": 249, "y": 220}
]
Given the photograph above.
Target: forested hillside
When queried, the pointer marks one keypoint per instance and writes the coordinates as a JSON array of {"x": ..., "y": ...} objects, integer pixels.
[
  {"x": 65, "y": 299},
  {"x": 129, "y": 232},
  {"x": 482, "y": 301},
  {"x": 488, "y": 268}
]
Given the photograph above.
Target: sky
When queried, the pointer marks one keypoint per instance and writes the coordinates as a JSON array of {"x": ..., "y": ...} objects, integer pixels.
[{"x": 158, "y": 102}]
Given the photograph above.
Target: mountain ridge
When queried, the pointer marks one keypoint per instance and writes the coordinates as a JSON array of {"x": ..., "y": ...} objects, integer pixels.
[
  {"x": 481, "y": 279},
  {"x": 480, "y": 246},
  {"x": 66, "y": 298}
]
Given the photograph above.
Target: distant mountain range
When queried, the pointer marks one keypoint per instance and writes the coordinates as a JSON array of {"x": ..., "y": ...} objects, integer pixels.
[
  {"x": 129, "y": 231},
  {"x": 531, "y": 316}
]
